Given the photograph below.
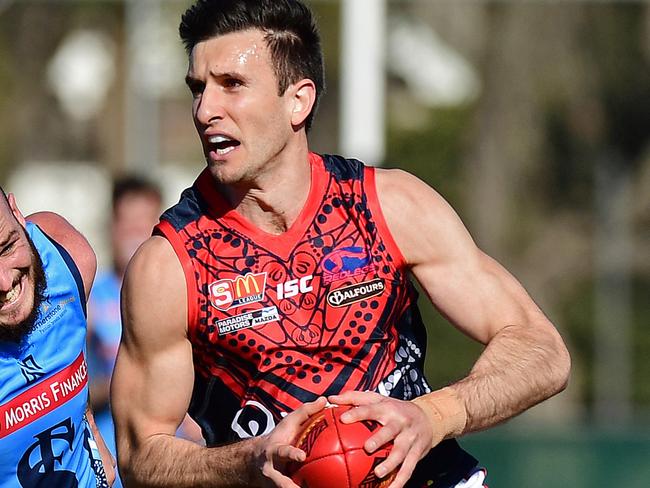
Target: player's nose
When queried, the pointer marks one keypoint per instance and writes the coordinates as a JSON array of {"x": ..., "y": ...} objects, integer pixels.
[
  {"x": 6, "y": 279},
  {"x": 210, "y": 107}
]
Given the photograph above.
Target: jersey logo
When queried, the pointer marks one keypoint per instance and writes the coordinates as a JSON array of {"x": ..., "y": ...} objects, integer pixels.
[
  {"x": 291, "y": 288},
  {"x": 43, "y": 397},
  {"x": 227, "y": 294},
  {"x": 355, "y": 293},
  {"x": 247, "y": 320},
  {"x": 346, "y": 262},
  {"x": 38, "y": 465},
  {"x": 254, "y": 419},
  {"x": 30, "y": 369},
  {"x": 50, "y": 313}
]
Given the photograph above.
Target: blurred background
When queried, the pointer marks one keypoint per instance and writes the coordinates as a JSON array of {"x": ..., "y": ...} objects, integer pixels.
[{"x": 531, "y": 117}]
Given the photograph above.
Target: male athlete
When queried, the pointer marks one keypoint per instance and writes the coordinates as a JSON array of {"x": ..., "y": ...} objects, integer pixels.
[
  {"x": 282, "y": 277},
  {"x": 47, "y": 434}
]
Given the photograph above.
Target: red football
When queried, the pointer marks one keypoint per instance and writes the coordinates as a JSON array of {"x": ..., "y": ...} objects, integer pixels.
[{"x": 335, "y": 454}]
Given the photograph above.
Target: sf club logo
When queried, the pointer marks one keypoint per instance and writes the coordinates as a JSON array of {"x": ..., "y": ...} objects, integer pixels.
[
  {"x": 227, "y": 294},
  {"x": 39, "y": 465},
  {"x": 30, "y": 369}
]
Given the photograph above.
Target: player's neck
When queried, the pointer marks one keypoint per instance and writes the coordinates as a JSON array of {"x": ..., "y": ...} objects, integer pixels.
[{"x": 278, "y": 194}]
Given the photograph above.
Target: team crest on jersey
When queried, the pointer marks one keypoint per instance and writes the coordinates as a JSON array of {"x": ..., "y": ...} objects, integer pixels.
[
  {"x": 30, "y": 369},
  {"x": 345, "y": 263},
  {"x": 227, "y": 294},
  {"x": 355, "y": 293}
]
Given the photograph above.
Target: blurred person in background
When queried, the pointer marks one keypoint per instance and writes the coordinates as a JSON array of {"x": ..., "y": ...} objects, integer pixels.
[
  {"x": 136, "y": 206},
  {"x": 282, "y": 277},
  {"x": 47, "y": 433}
]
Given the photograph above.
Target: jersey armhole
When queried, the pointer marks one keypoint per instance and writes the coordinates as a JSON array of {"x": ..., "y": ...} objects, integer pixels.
[
  {"x": 380, "y": 220},
  {"x": 165, "y": 229},
  {"x": 74, "y": 270}
]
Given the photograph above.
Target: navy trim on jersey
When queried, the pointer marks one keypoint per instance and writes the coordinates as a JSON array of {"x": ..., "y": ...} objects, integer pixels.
[
  {"x": 190, "y": 208},
  {"x": 72, "y": 266},
  {"x": 343, "y": 169}
]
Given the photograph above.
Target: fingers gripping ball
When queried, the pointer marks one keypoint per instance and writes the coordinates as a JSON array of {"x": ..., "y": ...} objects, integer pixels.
[{"x": 335, "y": 454}]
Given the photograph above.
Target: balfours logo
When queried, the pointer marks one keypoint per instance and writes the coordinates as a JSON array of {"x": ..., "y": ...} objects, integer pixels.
[{"x": 355, "y": 293}]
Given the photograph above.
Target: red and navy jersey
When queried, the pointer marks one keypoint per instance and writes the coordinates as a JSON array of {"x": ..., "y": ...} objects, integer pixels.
[{"x": 279, "y": 320}]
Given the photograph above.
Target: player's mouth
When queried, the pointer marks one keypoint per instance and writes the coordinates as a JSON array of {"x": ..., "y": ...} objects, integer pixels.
[
  {"x": 10, "y": 299},
  {"x": 222, "y": 145}
]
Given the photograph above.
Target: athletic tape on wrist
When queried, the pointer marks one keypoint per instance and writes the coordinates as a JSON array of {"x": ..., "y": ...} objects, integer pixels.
[{"x": 445, "y": 410}]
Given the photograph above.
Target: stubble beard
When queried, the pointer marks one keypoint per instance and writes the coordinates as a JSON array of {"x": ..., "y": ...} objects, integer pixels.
[
  {"x": 229, "y": 179},
  {"x": 17, "y": 333}
]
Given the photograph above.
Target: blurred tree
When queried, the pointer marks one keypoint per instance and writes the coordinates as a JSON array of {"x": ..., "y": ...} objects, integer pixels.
[{"x": 564, "y": 86}]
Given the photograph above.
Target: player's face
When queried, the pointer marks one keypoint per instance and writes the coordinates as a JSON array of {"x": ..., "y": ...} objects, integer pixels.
[
  {"x": 244, "y": 125},
  {"x": 22, "y": 280}
]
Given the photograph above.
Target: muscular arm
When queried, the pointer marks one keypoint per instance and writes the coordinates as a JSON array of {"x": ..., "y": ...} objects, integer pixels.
[
  {"x": 525, "y": 360},
  {"x": 153, "y": 381}
]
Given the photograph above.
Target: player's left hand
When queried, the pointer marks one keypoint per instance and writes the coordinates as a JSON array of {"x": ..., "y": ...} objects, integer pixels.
[
  {"x": 404, "y": 423},
  {"x": 276, "y": 448}
]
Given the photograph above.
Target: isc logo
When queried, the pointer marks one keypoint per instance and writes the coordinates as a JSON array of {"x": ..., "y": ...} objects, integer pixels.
[
  {"x": 226, "y": 294},
  {"x": 291, "y": 288}
]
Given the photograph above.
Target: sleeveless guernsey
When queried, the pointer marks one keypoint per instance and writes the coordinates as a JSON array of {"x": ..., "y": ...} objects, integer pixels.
[
  {"x": 278, "y": 320},
  {"x": 45, "y": 439}
]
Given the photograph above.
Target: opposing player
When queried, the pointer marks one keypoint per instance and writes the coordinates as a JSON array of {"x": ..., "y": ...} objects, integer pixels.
[
  {"x": 47, "y": 434},
  {"x": 282, "y": 277}
]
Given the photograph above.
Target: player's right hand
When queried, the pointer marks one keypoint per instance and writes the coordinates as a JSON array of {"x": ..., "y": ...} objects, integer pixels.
[{"x": 276, "y": 449}]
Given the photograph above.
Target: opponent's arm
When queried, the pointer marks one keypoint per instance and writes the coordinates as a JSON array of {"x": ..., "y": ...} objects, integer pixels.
[
  {"x": 152, "y": 386},
  {"x": 72, "y": 240},
  {"x": 524, "y": 362}
]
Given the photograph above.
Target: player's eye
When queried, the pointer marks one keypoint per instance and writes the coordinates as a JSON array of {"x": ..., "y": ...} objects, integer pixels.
[
  {"x": 7, "y": 248},
  {"x": 196, "y": 88},
  {"x": 233, "y": 83}
]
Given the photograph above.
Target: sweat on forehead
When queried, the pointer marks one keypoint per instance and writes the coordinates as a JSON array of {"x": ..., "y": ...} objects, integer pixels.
[{"x": 289, "y": 31}]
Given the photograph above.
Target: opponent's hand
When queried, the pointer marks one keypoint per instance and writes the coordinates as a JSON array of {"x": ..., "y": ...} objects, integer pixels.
[
  {"x": 277, "y": 449},
  {"x": 404, "y": 423}
]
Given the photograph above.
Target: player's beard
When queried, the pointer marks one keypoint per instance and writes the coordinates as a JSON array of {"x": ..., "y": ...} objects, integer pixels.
[{"x": 17, "y": 333}]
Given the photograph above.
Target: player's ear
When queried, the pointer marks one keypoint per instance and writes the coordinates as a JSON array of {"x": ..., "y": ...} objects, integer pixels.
[
  {"x": 14, "y": 209},
  {"x": 302, "y": 100}
]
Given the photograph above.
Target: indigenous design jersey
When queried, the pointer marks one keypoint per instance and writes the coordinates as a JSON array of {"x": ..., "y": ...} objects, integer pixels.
[
  {"x": 45, "y": 439},
  {"x": 278, "y": 320}
]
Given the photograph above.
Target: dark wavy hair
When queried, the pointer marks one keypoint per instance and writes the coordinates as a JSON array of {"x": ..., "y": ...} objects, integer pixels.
[{"x": 290, "y": 31}]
